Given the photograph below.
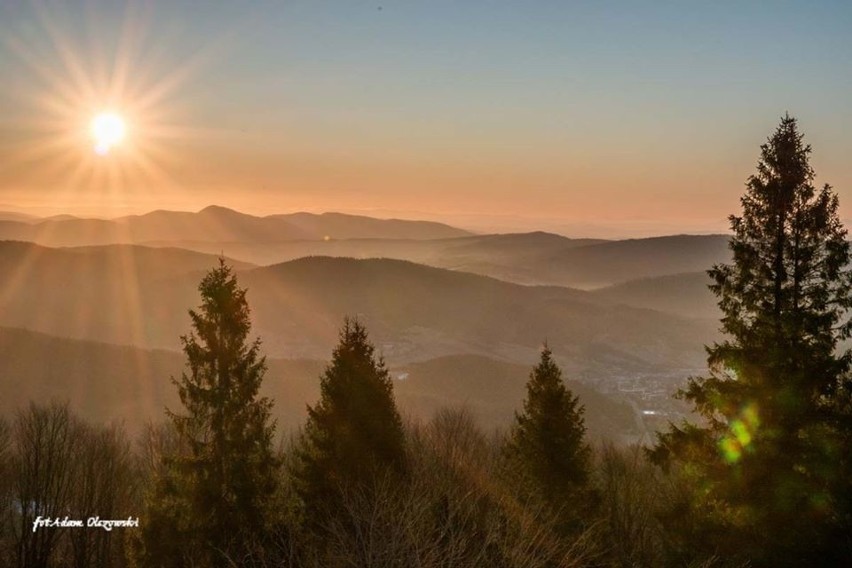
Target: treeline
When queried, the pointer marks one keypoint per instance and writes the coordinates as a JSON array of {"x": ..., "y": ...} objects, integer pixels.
[
  {"x": 764, "y": 478},
  {"x": 440, "y": 493},
  {"x": 54, "y": 465}
]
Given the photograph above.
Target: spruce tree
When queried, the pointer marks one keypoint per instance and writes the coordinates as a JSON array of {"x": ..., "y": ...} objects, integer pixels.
[
  {"x": 212, "y": 501},
  {"x": 354, "y": 432},
  {"x": 768, "y": 463},
  {"x": 547, "y": 444}
]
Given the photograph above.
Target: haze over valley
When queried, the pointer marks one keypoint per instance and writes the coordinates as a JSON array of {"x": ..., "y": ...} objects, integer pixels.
[{"x": 627, "y": 319}]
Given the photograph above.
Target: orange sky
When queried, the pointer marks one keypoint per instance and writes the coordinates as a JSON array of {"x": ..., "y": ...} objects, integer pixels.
[{"x": 582, "y": 122}]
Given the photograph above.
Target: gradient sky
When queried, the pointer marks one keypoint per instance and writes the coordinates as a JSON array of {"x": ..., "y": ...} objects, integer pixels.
[{"x": 617, "y": 118}]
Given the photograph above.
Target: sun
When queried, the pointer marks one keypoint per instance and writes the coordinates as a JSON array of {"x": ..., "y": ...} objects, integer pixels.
[
  {"x": 108, "y": 129},
  {"x": 103, "y": 116}
]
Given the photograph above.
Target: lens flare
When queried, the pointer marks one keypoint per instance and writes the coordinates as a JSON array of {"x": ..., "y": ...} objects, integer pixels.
[{"x": 740, "y": 435}]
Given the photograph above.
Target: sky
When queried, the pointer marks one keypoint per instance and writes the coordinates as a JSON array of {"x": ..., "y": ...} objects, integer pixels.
[{"x": 586, "y": 118}]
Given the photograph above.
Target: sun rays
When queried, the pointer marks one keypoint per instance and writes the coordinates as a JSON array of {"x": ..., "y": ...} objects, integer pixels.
[
  {"x": 83, "y": 98},
  {"x": 99, "y": 120}
]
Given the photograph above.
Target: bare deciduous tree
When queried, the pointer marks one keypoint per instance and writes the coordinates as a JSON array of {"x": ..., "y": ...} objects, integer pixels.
[
  {"x": 105, "y": 486},
  {"x": 45, "y": 442}
]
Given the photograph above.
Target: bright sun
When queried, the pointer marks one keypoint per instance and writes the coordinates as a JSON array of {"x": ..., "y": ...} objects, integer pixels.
[{"x": 108, "y": 130}]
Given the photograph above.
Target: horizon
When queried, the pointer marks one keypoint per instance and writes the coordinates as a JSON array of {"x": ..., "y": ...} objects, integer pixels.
[{"x": 476, "y": 224}]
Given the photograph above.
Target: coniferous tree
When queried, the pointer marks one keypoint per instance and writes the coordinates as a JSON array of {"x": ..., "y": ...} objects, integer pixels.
[
  {"x": 769, "y": 464},
  {"x": 212, "y": 502},
  {"x": 547, "y": 444},
  {"x": 354, "y": 433}
]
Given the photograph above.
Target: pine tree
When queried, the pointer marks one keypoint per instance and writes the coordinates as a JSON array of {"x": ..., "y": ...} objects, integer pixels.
[
  {"x": 768, "y": 463},
  {"x": 212, "y": 502},
  {"x": 354, "y": 432},
  {"x": 547, "y": 443}
]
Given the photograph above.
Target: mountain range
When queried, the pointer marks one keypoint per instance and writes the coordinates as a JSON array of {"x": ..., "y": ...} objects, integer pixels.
[
  {"x": 524, "y": 258},
  {"x": 93, "y": 310},
  {"x": 134, "y": 295},
  {"x": 217, "y": 225}
]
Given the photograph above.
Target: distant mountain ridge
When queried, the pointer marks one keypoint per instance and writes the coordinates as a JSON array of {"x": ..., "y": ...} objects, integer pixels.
[
  {"x": 609, "y": 262},
  {"x": 218, "y": 224},
  {"x": 17, "y": 217},
  {"x": 140, "y": 296},
  {"x": 536, "y": 258}
]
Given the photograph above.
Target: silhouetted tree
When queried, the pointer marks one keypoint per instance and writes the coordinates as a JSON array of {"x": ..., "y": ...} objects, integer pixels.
[
  {"x": 354, "y": 433},
  {"x": 6, "y": 500},
  {"x": 547, "y": 445},
  {"x": 769, "y": 463},
  {"x": 632, "y": 491},
  {"x": 45, "y": 441},
  {"x": 212, "y": 501},
  {"x": 104, "y": 486}
]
